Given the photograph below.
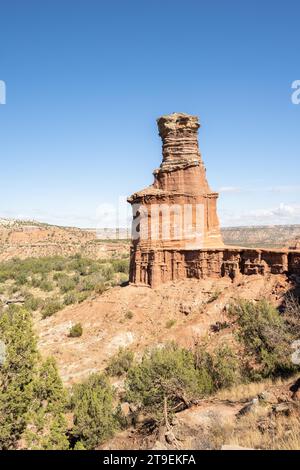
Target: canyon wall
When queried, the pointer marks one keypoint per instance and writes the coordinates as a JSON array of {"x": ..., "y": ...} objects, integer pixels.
[{"x": 153, "y": 267}]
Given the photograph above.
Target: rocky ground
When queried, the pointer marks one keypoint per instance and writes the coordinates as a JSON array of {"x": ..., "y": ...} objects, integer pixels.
[
  {"x": 256, "y": 416},
  {"x": 140, "y": 317}
]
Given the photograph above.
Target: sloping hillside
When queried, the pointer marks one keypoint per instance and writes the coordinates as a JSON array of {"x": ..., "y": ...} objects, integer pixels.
[
  {"x": 270, "y": 236},
  {"x": 23, "y": 239}
]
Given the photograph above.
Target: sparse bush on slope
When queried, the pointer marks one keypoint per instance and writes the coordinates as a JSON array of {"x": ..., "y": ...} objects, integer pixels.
[
  {"x": 265, "y": 337},
  {"x": 222, "y": 364},
  {"x": 76, "y": 331},
  {"x": 120, "y": 363},
  {"x": 168, "y": 373}
]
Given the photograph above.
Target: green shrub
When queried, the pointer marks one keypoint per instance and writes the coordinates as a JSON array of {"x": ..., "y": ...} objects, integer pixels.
[
  {"x": 16, "y": 374},
  {"x": 79, "y": 446},
  {"x": 50, "y": 307},
  {"x": 120, "y": 266},
  {"x": 92, "y": 404},
  {"x": 292, "y": 314},
  {"x": 70, "y": 298},
  {"x": 36, "y": 281},
  {"x": 170, "y": 323},
  {"x": 129, "y": 315},
  {"x": 82, "y": 296},
  {"x": 20, "y": 279},
  {"x": 225, "y": 367},
  {"x": 76, "y": 331},
  {"x": 221, "y": 364},
  {"x": 32, "y": 303},
  {"x": 265, "y": 336},
  {"x": 65, "y": 284},
  {"x": 46, "y": 285},
  {"x": 120, "y": 363},
  {"x": 47, "y": 429},
  {"x": 107, "y": 271},
  {"x": 166, "y": 376},
  {"x": 100, "y": 288},
  {"x": 87, "y": 284}
]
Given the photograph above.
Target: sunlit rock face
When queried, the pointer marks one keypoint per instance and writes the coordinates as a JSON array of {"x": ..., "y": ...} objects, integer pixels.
[
  {"x": 176, "y": 232},
  {"x": 179, "y": 209}
]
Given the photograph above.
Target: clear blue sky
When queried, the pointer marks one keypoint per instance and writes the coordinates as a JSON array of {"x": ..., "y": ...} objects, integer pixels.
[{"x": 86, "y": 80}]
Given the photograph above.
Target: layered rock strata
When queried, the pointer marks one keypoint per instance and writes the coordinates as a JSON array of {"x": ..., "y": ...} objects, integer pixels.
[
  {"x": 153, "y": 267},
  {"x": 179, "y": 209},
  {"x": 176, "y": 233}
]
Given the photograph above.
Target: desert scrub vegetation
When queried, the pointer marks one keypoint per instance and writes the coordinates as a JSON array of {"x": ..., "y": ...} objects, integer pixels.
[
  {"x": 120, "y": 363},
  {"x": 260, "y": 429},
  {"x": 47, "y": 283},
  {"x": 76, "y": 331},
  {"x": 35, "y": 407},
  {"x": 169, "y": 323},
  {"x": 266, "y": 337},
  {"x": 32, "y": 398},
  {"x": 50, "y": 307},
  {"x": 166, "y": 376},
  {"x": 94, "y": 411},
  {"x": 34, "y": 404}
]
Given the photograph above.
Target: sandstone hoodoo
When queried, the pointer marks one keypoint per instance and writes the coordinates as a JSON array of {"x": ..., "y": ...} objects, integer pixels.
[
  {"x": 178, "y": 211},
  {"x": 175, "y": 230}
]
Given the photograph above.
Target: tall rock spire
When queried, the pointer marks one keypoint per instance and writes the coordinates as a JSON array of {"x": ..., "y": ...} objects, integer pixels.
[{"x": 178, "y": 210}]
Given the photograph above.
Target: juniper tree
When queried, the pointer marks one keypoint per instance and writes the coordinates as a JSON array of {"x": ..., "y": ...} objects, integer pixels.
[{"x": 16, "y": 374}]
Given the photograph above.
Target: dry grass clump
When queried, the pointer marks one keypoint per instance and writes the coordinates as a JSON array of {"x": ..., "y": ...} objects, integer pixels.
[
  {"x": 260, "y": 430},
  {"x": 247, "y": 391},
  {"x": 243, "y": 392}
]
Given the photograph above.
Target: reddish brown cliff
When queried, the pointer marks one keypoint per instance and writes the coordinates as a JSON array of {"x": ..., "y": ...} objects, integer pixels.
[
  {"x": 178, "y": 210},
  {"x": 176, "y": 233}
]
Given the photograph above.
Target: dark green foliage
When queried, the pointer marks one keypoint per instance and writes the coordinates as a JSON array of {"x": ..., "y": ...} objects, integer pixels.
[
  {"x": 129, "y": 315},
  {"x": 292, "y": 314},
  {"x": 50, "y": 307},
  {"x": 70, "y": 298},
  {"x": 95, "y": 418},
  {"x": 265, "y": 336},
  {"x": 32, "y": 397},
  {"x": 120, "y": 363},
  {"x": 66, "y": 283},
  {"x": 120, "y": 266},
  {"x": 47, "y": 429},
  {"x": 166, "y": 373},
  {"x": 221, "y": 364},
  {"x": 32, "y": 303},
  {"x": 16, "y": 374},
  {"x": 76, "y": 331}
]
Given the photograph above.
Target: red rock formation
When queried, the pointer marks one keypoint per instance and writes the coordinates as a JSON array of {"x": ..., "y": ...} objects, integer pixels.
[
  {"x": 176, "y": 232},
  {"x": 179, "y": 209}
]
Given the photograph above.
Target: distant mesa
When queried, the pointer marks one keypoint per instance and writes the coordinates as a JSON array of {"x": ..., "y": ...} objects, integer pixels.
[{"x": 295, "y": 244}]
